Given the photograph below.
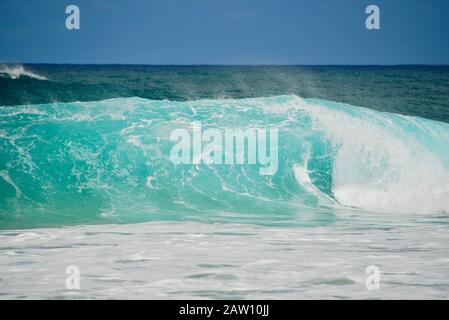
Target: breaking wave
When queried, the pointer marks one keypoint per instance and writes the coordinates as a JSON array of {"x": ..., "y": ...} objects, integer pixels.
[
  {"x": 17, "y": 71},
  {"x": 108, "y": 161}
]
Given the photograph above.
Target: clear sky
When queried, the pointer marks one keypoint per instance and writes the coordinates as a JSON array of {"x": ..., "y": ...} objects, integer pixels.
[{"x": 225, "y": 32}]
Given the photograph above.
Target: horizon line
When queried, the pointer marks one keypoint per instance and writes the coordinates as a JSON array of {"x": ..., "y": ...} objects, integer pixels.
[{"x": 228, "y": 65}]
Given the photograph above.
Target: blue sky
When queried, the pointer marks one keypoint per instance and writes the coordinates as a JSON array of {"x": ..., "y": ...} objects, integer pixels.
[{"x": 225, "y": 32}]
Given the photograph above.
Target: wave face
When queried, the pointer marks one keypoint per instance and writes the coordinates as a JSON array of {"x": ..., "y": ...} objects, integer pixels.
[
  {"x": 18, "y": 71},
  {"x": 108, "y": 162}
]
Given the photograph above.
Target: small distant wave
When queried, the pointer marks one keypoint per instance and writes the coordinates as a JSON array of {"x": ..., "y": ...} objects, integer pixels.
[{"x": 17, "y": 71}]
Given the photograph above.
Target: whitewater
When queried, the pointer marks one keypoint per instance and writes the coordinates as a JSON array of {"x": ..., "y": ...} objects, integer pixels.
[{"x": 192, "y": 260}]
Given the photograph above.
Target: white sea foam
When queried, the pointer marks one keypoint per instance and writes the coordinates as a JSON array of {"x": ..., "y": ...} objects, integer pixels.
[
  {"x": 5, "y": 176},
  {"x": 189, "y": 260}
]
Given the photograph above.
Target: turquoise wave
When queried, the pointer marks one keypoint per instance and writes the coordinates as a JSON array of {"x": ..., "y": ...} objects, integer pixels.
[{"x": 108, "y": 162}]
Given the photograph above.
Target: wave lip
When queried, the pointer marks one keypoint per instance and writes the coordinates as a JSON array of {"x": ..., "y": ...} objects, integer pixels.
[
  {"x": 17, "y": 71},
  {"x": 383, "y": 162}
]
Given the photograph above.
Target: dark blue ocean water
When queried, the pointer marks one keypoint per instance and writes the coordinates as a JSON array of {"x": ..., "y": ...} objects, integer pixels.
[{"x": 412, "y": 90}]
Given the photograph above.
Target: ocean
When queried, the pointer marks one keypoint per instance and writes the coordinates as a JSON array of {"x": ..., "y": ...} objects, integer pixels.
[{"x": 361, "y": 183}]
